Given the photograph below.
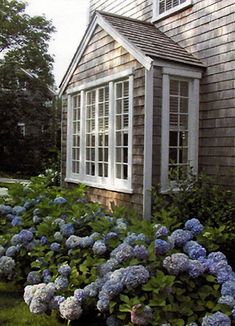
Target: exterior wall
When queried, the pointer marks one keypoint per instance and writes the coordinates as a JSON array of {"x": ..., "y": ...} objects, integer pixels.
[
  {"x": 104, "y": 57},
  {"x": 207, "y": 31},
  {"x": 138, "y": 9}
]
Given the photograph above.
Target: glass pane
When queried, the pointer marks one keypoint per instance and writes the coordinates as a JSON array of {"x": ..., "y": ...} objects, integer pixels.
[
  {"x": 105, "y": 170},
  {"x": 126, "y": 89},
  {"x": 174, "y": 104},
  {"x": 118, "y": 122},
  {"x": 119, "y": 90},
  {"x": 173, "y": 121},
  {"x": 184, "y": 105},
  {"x": 119, "y": 155},
  {"x": 175, "y": 3},
  {"x": 100, "y": 140},
  {"x": 184, "y": 121},
  {"x": 125, "y": 120},
  {"x": 168, "y": 4},
  {"x": 161, "y": 6},
  {"x": 93, "y": 141},
  {"x": 106, "y": 113},
  {"x": 106, "y": 153},
  {"x": 174, "y": 87},
  {"x": 106, "y": 140},
  {"x": 100, "y": 110},
  {"x": 88, "y": 154},
  {"x": 184, "y": 88},
  {"x": 172, "y": 155},
  {"x": 88, "y": 168},
  {"x": 183, "y": 138},
  {"x": 92, "y": 169},
  {"x": 101, "y": 95},
  {"x": 126, "y": 105},
  {"x": 125, "y": 155},
  {"x": 92, "y": 154},
  {"x": 125, "y": 172},
  {"x": 173, "y": 138},
  {"x": 100, "y": 154},
  {"x": 118, "y": 138},
  {"x": 100, "y": 170},
  {"x": 118, "y": 171},
  {"x": 119, "y": 106},
  {"x": 125, "y": 142}
]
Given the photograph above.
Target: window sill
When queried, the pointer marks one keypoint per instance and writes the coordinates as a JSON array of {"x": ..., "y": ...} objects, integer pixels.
[
  {"x": 172, "y": 11},
  {"x": 97, "y": 185}
]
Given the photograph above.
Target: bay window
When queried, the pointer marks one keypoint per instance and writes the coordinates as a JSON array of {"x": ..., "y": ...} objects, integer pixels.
[{"x": 99, "y": 147}]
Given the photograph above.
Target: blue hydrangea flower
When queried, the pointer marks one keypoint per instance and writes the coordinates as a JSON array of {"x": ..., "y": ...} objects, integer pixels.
[
  {"x": 64, "y": 270},
  {"x": 108, "y": 266},
  {"x": 58, "y": 237},
  {"x": 140, "y": 252},
  {"x": 227, "y": 300},
  {"x": 103, "y": 304},
  {"x": 70, "y": 309},
  {"x": 233, "y": 312},
  {"x": 7, "y": 265},
  {"x": 122, "y": 253},
  {"x": 37, "y": 212},
  {"x": 46, "y": 276},
  {"x": 61, "y": 283},
  {"x": 217, "y": 319},
  {"x": 58, "y": 222},
  {"x": 55, "y": 246},
  {"x": 79, "y": 295},
  {"x": 176, "y": 263},
  {"x": 72, "y": 242},
  {"x": 2, "y": 251},
  {"x": 140, "y": 315},
  {"x": 161, "y": 231},
  {"x": 34, "y": 277},
  {"x": 36, "y": 219},
  {"x": 194, "y": 250},
  {"x": 86, "y": 242},
  {"x": 43, "y": 240},
  {"x": 194, "y": 226},
  {"x": 180, "y": 237},
  {"x": 228, "y": 288},
  {"x": 217, "y": 256},
  {"x": 90, "y": 290},
  {"x": 67, "y": 229},
  {"x": 60, "y": 201},
  {"x": 5, "y": 209},
  {"x": 112, "y": 321},
  {"x": 99, "y": 248},
  {"x": 195, "y": 268},
  {"x": 18, "y": 210},
  {"x": 16, "y": 221},
  {"x": 134, "y": 276},
  {"x": 12, "y": 251},
  {"x": 25, "y": 236},
  {"x": 162, "y": 247},
  {"x": 110, "y": 235},
  {"x": 15, "y": 239}
]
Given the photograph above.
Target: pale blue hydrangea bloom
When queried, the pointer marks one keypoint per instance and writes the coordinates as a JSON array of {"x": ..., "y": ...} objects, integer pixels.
[
  {"x": 61, "y": 283},
  {"x": 64, "y": 270},
  {"x": 227, "y": 300},
  {"x": 55, "y": 246},
  {"x": 228, "y": 288},
  {"x": 140, "y": 252},
  {"x": 58, "y": 237},
  {"x": 180, "y": 237},
  {"x": 5, "y": 209},
  {"x": 161, "y": 230},
  {"x": 33, "y": 277},
  {"x": 55, "y": 302},
  {"x": 161, "y": 247},
  {"x": 60, "y": 200},
  {"x": 79, "y": 295},
  {"x": 12, "y": 251},
  {"x": 99, "y": 248},
  {"x": 18, "y": 210},
  {"x": 217, "y": 319},
  {"x": 7, "y": 265},
  {"x": 176, "y": 263},
  {"x": 70, "y": 309},
  {"x": 67, "y": 229},
  {"x": 122, "y": 253},
  {"x": 195, "y": 268}
]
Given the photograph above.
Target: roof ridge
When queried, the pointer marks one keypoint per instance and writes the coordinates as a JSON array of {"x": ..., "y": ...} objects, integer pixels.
[{"x": 124, "y": 17}]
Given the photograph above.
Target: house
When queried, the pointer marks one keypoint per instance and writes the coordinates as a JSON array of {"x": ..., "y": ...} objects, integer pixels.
[{"x": 149, "y": 91}]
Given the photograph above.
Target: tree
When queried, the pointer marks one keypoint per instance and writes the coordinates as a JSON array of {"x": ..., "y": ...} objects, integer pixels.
[{"x": 26, "y": 82}]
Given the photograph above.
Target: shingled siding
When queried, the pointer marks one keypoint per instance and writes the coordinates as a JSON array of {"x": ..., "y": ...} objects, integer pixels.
[
  {"x": 104, "y": 57},
  {"x": 157, "y": 107},
  {"x": 138, "y": 9},
  {"x": 207, "y": 31}
]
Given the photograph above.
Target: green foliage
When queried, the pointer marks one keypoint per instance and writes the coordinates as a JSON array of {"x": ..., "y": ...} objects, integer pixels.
[{"x": 199, "y": 197}]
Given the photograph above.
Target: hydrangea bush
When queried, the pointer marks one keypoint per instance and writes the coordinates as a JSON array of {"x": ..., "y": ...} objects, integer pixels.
[{"x": 77, "y": 260}]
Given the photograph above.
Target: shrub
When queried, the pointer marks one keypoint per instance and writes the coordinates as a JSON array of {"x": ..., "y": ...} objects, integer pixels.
[
  {"x": 213, "y": 205},
  {"x": 81, "y": 262}
]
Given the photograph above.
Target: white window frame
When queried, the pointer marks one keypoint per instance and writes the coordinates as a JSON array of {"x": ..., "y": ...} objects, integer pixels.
[
  {"x": 110, "y": 182},
  {"x": 157, "y": 16},
  {"x": 193, "y": 121}
]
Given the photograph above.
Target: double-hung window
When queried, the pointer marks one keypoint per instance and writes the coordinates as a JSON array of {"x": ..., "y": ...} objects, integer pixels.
[
  {"x": 99, "y": 148},
  {"x": 164, "y": 8},
  {"x": 180, "y": 110}
]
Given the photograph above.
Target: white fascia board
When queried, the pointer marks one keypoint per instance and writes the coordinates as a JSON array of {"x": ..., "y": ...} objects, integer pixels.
[
  {"x": 78, "y": 55},
  {"x": 126, "y": 44}
]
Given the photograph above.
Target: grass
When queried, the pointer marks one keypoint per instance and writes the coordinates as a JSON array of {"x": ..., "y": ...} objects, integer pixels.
[{"x": 13, "y": 310}]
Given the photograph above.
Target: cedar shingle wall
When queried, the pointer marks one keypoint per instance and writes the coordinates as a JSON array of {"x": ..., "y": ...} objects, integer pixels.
[
  {"x": 104, "y": 57},
  {"x": 138, "y": 9},
  {"x": 207, "y": 31}
]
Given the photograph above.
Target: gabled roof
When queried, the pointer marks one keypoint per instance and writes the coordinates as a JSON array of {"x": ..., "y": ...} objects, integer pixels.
[{"x": 141, "y": 39}]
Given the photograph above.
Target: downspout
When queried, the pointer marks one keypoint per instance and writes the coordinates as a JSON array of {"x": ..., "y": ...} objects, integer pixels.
[{"x": 148, "y": 143}]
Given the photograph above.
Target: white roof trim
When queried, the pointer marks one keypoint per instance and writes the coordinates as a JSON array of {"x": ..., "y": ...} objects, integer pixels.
[{"x": 126, "y": 44}]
